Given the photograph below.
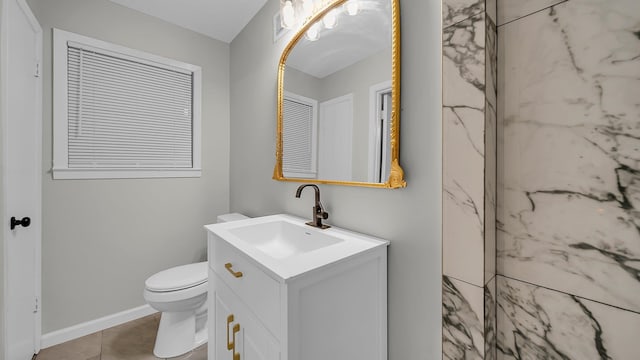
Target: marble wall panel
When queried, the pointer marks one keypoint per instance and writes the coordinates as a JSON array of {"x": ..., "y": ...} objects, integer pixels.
[
  {"x": 491, "y": 7},
  {"x": 490, "y": 320},
  {"x": 490, "y": 140},
  {"x": 454, "y": 11},
  {"x": 464, "y": 146},
  {"x": 462, "y": 320},
  {"x": 490, "y": 194},
  {"x": 569, "y": 204},
  {"x": 538, "y": 323},
  {"x": 510, "y": 10}
]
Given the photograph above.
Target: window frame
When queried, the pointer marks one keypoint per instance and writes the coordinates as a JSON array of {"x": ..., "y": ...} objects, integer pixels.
[
  {"x": 61, "y": 169},
  {"x": 312, "y": 173}
]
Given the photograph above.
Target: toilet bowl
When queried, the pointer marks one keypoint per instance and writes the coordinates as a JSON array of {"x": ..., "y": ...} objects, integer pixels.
[{"x": 180, "y": 294}]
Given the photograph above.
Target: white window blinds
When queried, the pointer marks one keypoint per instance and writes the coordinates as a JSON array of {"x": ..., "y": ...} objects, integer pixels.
[
  {"x": 126, "y": 114},
  {"x": 124, "y": 111},
  {"x": 298, "y": 135}
]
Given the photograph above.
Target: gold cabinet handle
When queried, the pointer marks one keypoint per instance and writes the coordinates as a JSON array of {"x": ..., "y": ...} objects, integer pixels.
[
  {"x": 236, "y": 329},
  {"x": 229, "y": 266},
  {"x": 230, "y": 345}
]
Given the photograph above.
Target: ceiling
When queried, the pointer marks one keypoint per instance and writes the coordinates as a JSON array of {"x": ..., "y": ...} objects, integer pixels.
[{"x": 219, "y": 19}]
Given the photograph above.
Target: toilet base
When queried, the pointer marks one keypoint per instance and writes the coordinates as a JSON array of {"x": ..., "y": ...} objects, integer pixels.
[{"x": 177, "y": 334}]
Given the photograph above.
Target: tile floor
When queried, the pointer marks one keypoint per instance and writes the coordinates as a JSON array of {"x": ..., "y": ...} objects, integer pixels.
[{"x": 130, "y": 341}]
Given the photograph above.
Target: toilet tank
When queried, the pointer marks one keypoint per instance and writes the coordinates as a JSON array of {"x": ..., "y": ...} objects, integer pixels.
[{"x": 230, "y": 217}]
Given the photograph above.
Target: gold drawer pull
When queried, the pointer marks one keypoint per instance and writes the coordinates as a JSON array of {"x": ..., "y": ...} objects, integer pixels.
[
  {"x": 230, "y": 345},
  {"x": 237, "y": 274},
  {"x": 236, "y": 329}
]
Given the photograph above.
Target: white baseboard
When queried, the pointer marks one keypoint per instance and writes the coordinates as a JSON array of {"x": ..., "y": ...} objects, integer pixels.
[{"x": 89, "y": 327}]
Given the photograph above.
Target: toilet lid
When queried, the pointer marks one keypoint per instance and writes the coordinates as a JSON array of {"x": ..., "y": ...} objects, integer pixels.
[{"x": 179, "y": 277}]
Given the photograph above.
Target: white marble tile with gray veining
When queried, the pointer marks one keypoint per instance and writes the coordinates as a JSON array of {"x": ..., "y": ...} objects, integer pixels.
[
  {"x": 490, "y": 150},
  {"x": 538, "y": 323},
  {"x": 454, "y": 11},
  {"x": 492, "y": 10},
  {"x": 491, "y": 60},
  {"x": 490, "y": 193},
  {"x": 569, "y": 210},
  {"x": 509, "y": 10},
  {"x": 464, "y": 146},
  {"x": 490, "y": 325},
  {"x": 462, "y": 320}
]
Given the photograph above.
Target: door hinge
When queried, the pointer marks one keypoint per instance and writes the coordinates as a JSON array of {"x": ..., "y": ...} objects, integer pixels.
[
  {"x": 36, "y": 307},
  {"x": 37, "y": 72}
]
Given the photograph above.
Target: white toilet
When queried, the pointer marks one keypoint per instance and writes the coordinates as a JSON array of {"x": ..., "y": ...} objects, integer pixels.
[{"x": 180, "y": 293}]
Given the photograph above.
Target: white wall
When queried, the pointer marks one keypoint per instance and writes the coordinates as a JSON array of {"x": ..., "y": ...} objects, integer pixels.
[
  {"x": 103, "y": 238},
  {"x": 2, "y": 216},
  {"x": 410, "y": 217}
]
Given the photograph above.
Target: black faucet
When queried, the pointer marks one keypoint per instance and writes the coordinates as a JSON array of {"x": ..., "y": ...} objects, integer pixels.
[{"x": 318, "y": 211}]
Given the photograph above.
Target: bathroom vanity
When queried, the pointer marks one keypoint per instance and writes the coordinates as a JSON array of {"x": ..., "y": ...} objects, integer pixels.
[{"x": 282, "y": 290}]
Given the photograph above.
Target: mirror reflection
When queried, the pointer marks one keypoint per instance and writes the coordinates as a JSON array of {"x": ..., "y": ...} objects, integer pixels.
[{"x": 337, "y": 100}]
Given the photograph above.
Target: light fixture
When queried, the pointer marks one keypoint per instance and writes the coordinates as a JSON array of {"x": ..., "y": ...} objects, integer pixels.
[
  {"x": 352, "y": 7},
  {"x": 308, "y": 8},
  {"x": 296, "y": 13},
  {"x": 287, "y": 13},
  {"x": 330, "y": 19},
  {"x": 313, "y": 33}
]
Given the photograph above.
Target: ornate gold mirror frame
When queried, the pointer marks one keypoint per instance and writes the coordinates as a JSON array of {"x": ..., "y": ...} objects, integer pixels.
[{"x": 396, "y": 175}]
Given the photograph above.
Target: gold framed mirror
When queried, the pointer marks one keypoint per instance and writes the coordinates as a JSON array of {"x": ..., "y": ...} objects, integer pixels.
[{"x": 338, "y": 105}]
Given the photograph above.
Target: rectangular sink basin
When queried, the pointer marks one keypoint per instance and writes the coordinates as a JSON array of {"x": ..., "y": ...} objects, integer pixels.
[
  {"x": 282, "y": 239},
  {"x": 285, "y": 246}
]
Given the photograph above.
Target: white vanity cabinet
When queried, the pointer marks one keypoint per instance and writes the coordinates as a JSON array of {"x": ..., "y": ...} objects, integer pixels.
[
  {"x": 331, "y": 312},
  {"x": 237, "y": 334}
]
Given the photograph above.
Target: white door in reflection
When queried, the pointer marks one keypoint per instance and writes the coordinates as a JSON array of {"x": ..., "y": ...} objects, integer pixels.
[
  {"x": 380, "y": 106},
  {"x": 335, "y": 139}
]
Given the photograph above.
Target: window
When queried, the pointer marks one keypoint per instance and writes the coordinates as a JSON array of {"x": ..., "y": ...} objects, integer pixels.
[
  {"x": 299, "y": 136},
  {"x": 122, "y": 113}
]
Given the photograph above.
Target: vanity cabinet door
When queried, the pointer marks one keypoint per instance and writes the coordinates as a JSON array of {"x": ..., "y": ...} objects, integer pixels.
[{"x": 238, "y": 334}]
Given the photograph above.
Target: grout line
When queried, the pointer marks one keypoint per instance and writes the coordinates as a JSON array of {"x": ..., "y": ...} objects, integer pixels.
[
  {"x": 535, "y": 12},
  {"x": 467, "y": 18},
  {"x": 466, "y": 282},
  {"x": 570, "y": 294}
]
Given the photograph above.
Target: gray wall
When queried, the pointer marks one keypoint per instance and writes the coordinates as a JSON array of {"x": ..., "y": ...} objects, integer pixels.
[
  {"x": 2, "y": 225},
  {"x": 410, "y": 217},
  {"x": 301, "y": 83},
  {"x": 103, "y": 238}
]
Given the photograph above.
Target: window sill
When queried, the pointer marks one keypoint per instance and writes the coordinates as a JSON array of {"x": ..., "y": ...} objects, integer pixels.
[{"x": 68, "y": 174}]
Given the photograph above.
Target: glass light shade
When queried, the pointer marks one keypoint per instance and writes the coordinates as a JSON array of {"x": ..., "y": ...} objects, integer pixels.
[
  {"x": 352, "y": 7},
  {"x": 288, "y": 15},
  {"x": 313, "y": 33},
  {"x": 307, "y": 9},
  {"x": 330, "y": 19}
]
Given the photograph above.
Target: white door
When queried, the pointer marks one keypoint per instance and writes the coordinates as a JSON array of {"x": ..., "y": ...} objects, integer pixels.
[
  {"x": 380, "y": 132},
  {"x": 335, "y": 139},
  {"x": 21, "y": 122},
  {"x": 385, "y": 140}
]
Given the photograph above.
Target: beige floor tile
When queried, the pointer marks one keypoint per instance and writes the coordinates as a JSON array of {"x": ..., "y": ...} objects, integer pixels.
[
  {"x": 131, "y": 341},
  {"x": 84, "y": 348},
  {"x": 197, "y": 354}
]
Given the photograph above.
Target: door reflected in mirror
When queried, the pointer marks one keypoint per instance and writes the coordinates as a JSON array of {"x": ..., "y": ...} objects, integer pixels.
[{"x": 338, "y": 98}]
